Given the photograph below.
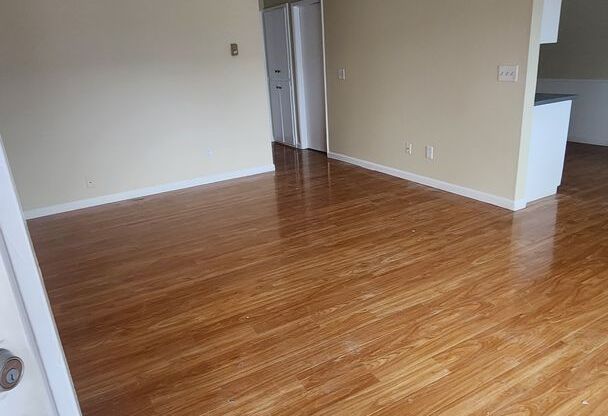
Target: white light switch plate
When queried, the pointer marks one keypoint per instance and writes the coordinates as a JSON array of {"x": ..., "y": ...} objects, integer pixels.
[
  {"x": 508, "y": 73},
  {"x": 342, "y": 73}
]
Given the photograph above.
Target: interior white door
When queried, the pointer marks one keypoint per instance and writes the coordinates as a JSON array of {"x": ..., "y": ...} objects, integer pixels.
[
  {"x": 278, "y": 55},
  {"x": 278, "y": 51},
  {"x": 27, "y": 328},
  {"x": 275, "y": 112},
  {"x": 309, "y": 74},
  {"x": 287, "y": 121}
]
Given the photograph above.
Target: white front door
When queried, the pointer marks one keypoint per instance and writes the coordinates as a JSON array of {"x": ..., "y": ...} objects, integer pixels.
[
  {"x": 31, "y": 396},
  {"x": 27, "y": 328}
]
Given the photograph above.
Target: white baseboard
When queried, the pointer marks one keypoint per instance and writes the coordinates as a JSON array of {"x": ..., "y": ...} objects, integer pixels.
[
  {"x": 513, "y": 205},
  {"x": 138, "y": 193}
]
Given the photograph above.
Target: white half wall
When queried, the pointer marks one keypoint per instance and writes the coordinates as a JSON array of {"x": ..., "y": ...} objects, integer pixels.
[
  {"x": 589, "y": 122},
  {"x": 547, "y": 149}
]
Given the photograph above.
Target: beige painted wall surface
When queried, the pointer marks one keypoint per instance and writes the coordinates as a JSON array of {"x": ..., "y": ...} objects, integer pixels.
[
  {"x": 582, "y": 50},
  {"x": 130, "y": 93},
  {"x": 426, "y": 72}
]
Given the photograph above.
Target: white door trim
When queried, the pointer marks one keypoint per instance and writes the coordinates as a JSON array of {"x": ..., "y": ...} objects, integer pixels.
[
  {"x": 312, "y": 119},
  {"x": 325, "y": 74}
]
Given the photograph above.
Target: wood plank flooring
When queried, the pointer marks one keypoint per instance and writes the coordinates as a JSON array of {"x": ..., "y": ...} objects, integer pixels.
[{"x": 326, "y": 289}]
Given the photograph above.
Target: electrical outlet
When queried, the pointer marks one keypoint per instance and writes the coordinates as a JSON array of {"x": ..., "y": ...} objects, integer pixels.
[
  {"x": 210, "y": 153},
  {"x": 90, "y": 183},
  {"x": 430, "y": 152},
  {"x": 409, "y": 148}
]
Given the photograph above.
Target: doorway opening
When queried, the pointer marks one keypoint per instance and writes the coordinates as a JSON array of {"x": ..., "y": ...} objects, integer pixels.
[{"x": 293, "y": 35}]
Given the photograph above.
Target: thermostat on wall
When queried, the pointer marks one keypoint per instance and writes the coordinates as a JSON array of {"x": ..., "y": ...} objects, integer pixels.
[{"x": 234, "y": 49}]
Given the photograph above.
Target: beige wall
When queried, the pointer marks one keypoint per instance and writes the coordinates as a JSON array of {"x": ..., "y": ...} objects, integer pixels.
[
  {"x": 129, "y": 93},
  {"x": 582, "y": 50},
  {"x": 426, "y": 72}
]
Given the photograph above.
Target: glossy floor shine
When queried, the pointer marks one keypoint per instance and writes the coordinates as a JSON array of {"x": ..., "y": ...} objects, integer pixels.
[{"x": 331, "y": 290}]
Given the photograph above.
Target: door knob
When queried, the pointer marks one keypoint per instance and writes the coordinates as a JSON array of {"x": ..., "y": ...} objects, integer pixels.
[{"x": 11, "y": 370}]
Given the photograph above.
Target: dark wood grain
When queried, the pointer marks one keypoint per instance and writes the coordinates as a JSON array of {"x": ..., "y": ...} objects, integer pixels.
[{"x": 326, "y": 289}]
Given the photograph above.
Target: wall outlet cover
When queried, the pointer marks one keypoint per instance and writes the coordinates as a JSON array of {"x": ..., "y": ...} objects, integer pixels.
[{"x": 508, "y": 73}]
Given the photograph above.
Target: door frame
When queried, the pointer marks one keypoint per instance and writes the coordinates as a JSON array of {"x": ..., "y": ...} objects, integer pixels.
[
  {"x": 30, "y": 287},
  {"x": 288, "y": 5},
  {"x": 295, "y": 35},
  {"x": 325, "y": 74}
]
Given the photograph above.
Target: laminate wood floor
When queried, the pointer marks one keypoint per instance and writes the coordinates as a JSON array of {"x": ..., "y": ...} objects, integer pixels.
[{"x": 326, "y": 289}]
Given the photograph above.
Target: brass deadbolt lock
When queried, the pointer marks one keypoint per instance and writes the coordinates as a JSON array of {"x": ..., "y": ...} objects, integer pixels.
[{"x": 11, "y": 370}]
